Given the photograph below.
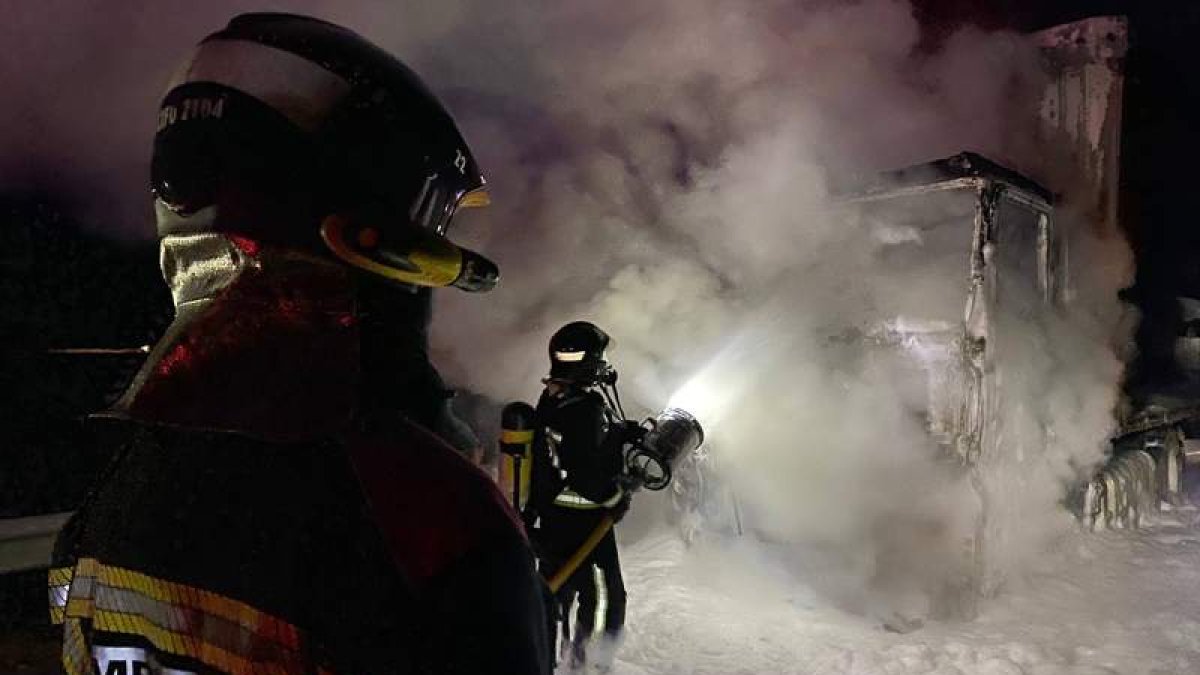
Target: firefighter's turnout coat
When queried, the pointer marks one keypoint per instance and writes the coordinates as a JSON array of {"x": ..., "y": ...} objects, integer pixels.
[
  {"x": 577, "y": 464},
  {"x": 258, "y": 518}
]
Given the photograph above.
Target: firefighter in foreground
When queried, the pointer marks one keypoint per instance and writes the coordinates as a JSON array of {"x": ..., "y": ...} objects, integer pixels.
[
  {"x": 279, "y": 500},
  {"x": 576, "y": 479}
]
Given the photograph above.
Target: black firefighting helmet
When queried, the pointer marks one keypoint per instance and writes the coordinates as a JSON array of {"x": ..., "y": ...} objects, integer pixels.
[
  {"x": 291, "y": 115},
  {"x": 577, "y": 354}
]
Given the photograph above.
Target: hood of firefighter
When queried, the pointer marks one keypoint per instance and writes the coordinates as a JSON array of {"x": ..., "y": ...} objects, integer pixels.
[{"x": 265, "y": 341}]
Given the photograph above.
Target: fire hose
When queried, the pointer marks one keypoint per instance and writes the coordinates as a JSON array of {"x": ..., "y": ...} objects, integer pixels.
[
  {"x": 585, "y": 549},
  {"x": 651, "y": 453}
]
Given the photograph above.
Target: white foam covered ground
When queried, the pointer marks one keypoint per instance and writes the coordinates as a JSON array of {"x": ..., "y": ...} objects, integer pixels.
[{"x": 1112, "y": 602}]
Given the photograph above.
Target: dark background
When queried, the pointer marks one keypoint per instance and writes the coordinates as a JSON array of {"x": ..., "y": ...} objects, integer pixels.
[{"x": 62, "y": 286}]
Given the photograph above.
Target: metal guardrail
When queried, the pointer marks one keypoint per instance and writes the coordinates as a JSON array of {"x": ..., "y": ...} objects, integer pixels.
[{"x": 26, "y": 543}]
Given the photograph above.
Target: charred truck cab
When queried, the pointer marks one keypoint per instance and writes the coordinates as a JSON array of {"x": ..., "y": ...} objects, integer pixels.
[
  {"x": 979, "y": 239},
  {"x": 978, "y": 265}
]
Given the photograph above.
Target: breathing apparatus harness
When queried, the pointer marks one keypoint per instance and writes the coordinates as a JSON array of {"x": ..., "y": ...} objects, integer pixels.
[{"x": 650, "y": 449}]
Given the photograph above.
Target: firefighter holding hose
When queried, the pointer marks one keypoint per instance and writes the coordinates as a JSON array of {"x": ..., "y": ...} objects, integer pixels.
[{"x": 577, "y": 480}]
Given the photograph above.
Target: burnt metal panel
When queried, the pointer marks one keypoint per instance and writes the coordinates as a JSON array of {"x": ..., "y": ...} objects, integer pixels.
[
  {"x": 1081, "y": 107},
  {"x": 964, "y": 170}
]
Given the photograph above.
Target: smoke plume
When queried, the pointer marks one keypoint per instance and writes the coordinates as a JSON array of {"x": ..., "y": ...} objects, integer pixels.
[{"x": 664, "y": 169}]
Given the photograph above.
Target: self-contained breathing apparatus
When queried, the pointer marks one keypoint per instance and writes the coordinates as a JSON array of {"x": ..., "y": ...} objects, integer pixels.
[{"x": 649, "y": 450}]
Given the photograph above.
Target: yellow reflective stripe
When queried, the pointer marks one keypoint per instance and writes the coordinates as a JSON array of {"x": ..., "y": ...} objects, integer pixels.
[
  {"x": 76, "y": 658},
  {"x": 87, "y": 567},
  {"x": 57, "y": 576},
  {"x": 124, "y": 601},
  {"x": 58, "y": 588},
  {"x": 82, "y": 608},
  {"x": 515, "y": 437},
  {"x": 581, "y": 507},
  {"x": 572, "y": 500},
  {"x": 170, "y": 641},
  {"x": 205, "y": 601}
]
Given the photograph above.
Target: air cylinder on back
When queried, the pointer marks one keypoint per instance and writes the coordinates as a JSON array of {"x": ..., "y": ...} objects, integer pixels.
[{"x": 517, "y": 422}]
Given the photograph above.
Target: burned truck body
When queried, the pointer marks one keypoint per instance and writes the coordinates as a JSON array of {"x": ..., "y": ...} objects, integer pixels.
[
  {"x": 979, "y": 258},
  {"x": 963, "y": 253},
  {"x": 1019, "y": 269},
  {"x": 978, "y": 239}
]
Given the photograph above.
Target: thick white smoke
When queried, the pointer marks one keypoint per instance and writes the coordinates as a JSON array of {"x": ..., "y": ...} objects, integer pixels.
[
  {"x": 678, "y": 197},
  {"x": 662, "y": 169}
]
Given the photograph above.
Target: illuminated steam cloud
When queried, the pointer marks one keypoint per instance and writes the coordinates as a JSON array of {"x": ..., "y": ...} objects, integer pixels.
[
  {"x": 662, "y": 168},
  {"x": 674, "y": 181}
]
